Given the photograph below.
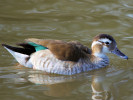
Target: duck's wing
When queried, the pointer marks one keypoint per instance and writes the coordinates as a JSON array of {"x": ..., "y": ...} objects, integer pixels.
[
  {"x": 82, "y": 47},
  {"x": 68, "y": 51}
]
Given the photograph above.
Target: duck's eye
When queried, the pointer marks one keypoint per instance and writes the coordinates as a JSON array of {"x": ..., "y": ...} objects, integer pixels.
[{"x": 107, "y": 43}]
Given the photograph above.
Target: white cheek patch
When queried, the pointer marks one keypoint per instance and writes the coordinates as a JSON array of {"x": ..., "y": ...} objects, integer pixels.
[
  {"x": 94, "y": 43},
  {"x": 105, "y": 49},
  {"x": 105, "y": 40}
]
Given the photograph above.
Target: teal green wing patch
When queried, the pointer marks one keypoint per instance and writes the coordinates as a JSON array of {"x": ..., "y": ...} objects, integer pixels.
[{"x": 37, "y": 47}]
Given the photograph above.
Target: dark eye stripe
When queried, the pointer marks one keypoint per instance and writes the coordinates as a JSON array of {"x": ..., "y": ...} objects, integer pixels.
[{"x": 107, "y": 43}]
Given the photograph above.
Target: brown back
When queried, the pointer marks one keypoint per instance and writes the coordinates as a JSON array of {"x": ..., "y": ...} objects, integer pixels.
[{"x": 70, "y": 51}]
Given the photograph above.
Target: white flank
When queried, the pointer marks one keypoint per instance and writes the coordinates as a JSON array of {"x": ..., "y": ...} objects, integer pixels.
[
  {"x": 44, "y": 60},
  {"x": 21, "y": 58}
]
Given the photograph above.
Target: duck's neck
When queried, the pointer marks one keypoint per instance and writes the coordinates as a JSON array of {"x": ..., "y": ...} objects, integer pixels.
[
  {"x": 100, "y": 59},
  {"x": 100, "y": 55}
]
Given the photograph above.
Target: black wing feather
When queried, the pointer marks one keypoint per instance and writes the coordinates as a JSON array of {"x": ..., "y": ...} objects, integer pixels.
[{"x": 24, "y": 49}]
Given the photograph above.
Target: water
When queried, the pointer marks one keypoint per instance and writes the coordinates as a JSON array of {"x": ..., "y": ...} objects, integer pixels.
[{"x": 66, "y": 20}]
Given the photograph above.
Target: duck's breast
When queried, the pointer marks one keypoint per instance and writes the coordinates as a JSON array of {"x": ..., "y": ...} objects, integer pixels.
[{"x": 44, "y": 60}]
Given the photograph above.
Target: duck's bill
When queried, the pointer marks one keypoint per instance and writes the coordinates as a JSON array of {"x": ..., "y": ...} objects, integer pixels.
[{"x": 119, "y": 53}]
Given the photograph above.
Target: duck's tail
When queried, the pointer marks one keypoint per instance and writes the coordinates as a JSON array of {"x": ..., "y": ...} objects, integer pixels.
[{"x": 21, "y": 54}]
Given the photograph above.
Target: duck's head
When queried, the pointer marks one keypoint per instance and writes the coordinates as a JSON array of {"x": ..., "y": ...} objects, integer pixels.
[{"x": 105, "y": 43}]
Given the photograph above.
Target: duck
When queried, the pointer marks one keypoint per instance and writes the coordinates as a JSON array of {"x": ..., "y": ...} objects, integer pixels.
[{"x": 66, "y": 58}]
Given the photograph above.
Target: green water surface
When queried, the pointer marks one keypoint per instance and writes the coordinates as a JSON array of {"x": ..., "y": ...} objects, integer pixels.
[{"x": 66, "y": 20}]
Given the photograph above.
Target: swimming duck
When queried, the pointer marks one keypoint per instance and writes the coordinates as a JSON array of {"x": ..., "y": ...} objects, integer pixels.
[{"x": 60, "y": 57}]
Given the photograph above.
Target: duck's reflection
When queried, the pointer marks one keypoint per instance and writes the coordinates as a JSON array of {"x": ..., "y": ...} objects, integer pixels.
[
  {"x": 64, "y": 85},
  {"x": 100, "y": 87},
  {"x": 58, "y": 85}
]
